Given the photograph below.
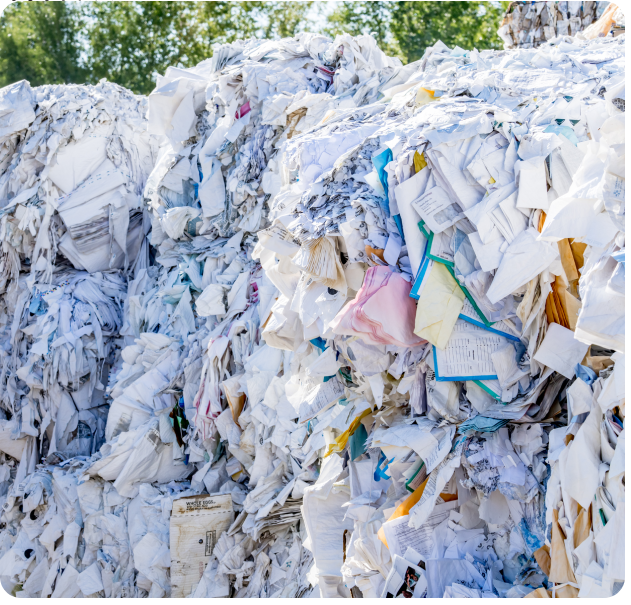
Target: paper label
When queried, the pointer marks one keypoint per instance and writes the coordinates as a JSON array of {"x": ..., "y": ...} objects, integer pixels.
[
  {"x": 197, "y": 522},
  {"x": 320, "y": 398}
]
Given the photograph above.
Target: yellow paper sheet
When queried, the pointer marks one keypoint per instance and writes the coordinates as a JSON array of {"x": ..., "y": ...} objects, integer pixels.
[
  {"x": 425, "y": 96},
  {"x": 340, "y": 442},
  {"x": 419, "y": 162},
  {"x": 438, "y": 307}
]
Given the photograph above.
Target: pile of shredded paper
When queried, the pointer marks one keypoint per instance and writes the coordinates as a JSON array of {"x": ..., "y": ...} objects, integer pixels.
[{"x": 310, "y": 323}]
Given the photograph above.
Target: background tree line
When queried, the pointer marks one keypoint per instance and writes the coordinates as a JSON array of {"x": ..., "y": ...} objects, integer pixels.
[{"x": 129, "y": 42}]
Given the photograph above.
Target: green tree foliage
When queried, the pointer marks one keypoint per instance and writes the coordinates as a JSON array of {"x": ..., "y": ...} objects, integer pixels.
[
  {"x": 129, "y": 42},
  {"x": 364, "y": 18},
  {"x": 282, "y": 19},
  {"x": 417, "y": 25},
  {"x": 406, "y": 29},
  {"x": 132, "y": 41},
  {"x": 40, "y": 42}
]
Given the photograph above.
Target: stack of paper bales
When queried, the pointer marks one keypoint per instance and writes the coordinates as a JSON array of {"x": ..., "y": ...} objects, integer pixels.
[
  {"x": 373, "y": 343},
  {"x": 73, "y": 164},
  {"x": 531, "y": 24}
]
